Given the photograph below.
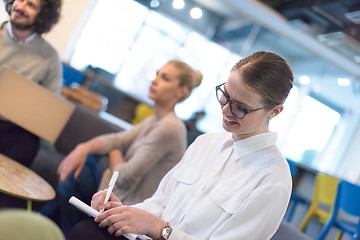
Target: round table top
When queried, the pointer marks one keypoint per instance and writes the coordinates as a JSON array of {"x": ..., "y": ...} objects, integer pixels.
[{"x": 20, "y": 181}]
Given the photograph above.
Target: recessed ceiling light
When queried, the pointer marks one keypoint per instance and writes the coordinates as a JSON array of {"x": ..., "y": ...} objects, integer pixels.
[
  {"x": 154, "y": 3},
  {"x": 178, "y": 4},
  {"x": 304, "y": 80},
  {"x": 343, "y": 82},
  {"x": 196, "y": 13}
]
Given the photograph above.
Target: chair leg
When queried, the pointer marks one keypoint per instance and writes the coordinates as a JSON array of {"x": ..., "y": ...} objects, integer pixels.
[
  {"x": 291, "y": 210},
  {"x": 339, "y": 235},
  {"x": 306, "y": 220},
  {"x": 325, "y": 230}
]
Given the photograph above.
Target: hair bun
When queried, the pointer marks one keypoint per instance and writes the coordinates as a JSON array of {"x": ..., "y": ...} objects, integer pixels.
[{"x": 198, "y": 78}]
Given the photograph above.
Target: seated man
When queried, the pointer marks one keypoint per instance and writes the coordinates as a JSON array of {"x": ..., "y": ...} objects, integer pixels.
[{"x": 25, "y": 51}]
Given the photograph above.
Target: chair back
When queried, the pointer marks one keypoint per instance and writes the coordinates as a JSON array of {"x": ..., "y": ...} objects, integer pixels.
[
  {"x": 348, "y": 198},
  {"x": 19, "y": 224},
  {"x": 325, "y": 188},
  {"x": 292, "y": 166},
  {"x": 323, "y": 199},
  {"x": 142, "y": 111}
]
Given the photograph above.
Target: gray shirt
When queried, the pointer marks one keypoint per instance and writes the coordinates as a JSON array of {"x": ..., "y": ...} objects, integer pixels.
[
  {"x": 150, "y": 150},
  {"x": 34, "y": 59}
]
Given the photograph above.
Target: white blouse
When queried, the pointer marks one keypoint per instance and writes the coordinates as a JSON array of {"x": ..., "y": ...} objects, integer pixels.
[{"x": 223, "y": 189}]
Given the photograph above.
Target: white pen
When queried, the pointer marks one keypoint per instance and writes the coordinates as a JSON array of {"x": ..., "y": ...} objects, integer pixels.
[{"x": 111, "y": 186}]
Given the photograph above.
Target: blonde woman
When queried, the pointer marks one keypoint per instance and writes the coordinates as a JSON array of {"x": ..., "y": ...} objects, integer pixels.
[{"x": 142, "y": 155}]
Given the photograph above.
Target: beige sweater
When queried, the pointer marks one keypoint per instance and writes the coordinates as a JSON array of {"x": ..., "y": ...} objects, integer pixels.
[
  {"x": 36, "y": 60},
  {"x": 150, "y": 150}
]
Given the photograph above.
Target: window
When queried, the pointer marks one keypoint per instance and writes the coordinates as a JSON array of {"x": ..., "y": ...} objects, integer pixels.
[
  {"x": 108, "y": 34},
  {"x": 309, "y": 132},
  {"x": 133, "y": 42},
  {"x": 152, "y": 47}
]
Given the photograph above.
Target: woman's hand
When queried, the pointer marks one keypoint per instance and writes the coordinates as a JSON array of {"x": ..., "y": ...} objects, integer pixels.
[
  {"x": 125, "y": 219},
  {"x": 75, "y": 160},
  {"x": 97, "y": 201},
  {"x": 115, "y": 158}
]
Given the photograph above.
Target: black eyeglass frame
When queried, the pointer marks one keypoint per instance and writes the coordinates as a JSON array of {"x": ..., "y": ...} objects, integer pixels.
[{"x": 228, "y": 100}]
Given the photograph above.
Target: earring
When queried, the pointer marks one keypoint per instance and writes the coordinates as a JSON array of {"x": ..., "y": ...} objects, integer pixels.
[{"x": 270, "y": 118}]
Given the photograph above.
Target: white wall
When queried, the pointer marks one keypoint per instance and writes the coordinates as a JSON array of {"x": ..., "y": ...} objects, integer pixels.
[
  {"x": 3, "y": 13},
  {"x": 73, "y": 17},
  {"x": 63, "y": 35}
]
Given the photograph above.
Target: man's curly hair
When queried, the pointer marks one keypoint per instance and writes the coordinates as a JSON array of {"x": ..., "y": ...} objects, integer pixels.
[{"x": 48, "y": 16}]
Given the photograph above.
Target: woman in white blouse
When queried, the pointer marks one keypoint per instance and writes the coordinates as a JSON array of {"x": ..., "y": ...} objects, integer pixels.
[{"x": 231, "y": 185}]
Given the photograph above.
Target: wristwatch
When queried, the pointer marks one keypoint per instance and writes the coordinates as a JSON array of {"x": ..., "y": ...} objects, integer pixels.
[{"x": 165, "y": 232}]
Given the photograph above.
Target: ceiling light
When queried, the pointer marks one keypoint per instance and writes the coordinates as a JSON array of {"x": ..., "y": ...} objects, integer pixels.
[
  {"x": 196, "y": 13},
  {"x": 304, "y": 80},
  {"x": 154, "y": 3},
  {"x": 178, "y": 4},
  {"x": 343, "y": 82}
]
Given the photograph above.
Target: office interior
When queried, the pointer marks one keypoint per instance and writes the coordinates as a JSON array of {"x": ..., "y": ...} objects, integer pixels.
[{"x": 129, "y": 40}]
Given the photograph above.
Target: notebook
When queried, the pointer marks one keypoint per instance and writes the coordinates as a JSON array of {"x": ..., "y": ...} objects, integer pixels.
[{"x": 32, "y": 106}]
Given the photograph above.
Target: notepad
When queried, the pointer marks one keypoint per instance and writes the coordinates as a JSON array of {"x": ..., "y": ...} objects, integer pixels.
[
  {"x": 83, "y": 207},
  {"x": 31, "y": 106}
]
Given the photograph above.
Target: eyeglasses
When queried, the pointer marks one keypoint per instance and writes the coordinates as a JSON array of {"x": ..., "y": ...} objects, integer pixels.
[{"x": 237, "y": 110}]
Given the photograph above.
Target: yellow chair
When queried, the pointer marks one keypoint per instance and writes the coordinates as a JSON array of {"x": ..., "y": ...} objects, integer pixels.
[
  {"x": 323, "y": 200},
  {"x": 142, "y": 111}
]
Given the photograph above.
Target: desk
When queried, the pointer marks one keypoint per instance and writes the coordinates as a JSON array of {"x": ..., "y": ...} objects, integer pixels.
[{"x": 19, "y": 181}]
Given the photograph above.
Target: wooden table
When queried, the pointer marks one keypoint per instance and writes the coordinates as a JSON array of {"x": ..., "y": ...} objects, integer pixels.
[{"x": 19, "y": 181}]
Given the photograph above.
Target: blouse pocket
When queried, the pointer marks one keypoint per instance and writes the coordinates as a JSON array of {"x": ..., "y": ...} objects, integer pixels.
[
  {"x": 187, "y": 175},
  {"x": 227, "y": 199}
]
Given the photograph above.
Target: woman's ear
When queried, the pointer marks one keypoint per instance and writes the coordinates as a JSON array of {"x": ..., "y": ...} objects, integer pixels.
[
  {"x": 182, "y": 93},
  {"x": 276, "y": 110}
]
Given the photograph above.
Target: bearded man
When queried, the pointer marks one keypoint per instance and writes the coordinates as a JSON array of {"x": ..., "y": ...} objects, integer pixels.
[{"x": 24, "y": 50}]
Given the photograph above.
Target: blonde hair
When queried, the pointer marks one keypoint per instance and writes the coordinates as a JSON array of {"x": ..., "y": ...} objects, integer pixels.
[{"x": 188, "y": 77}]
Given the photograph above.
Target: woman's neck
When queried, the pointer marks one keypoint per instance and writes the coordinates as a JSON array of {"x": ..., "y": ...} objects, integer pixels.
[{"x": 161, "y": 112}]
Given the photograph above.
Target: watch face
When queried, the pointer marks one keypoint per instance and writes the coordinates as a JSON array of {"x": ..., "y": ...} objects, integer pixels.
[{"x": 166, "y": 232}]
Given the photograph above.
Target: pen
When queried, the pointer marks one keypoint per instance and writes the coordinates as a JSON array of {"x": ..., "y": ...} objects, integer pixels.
[{"x": 111, "y": 186}]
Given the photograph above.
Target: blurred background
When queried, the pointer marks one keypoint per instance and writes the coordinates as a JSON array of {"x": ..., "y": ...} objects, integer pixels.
[{"x": 129, "y": 40}]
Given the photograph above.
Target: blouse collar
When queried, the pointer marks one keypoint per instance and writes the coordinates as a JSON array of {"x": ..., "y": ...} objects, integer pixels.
[{"x": 254, "y": 143}]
